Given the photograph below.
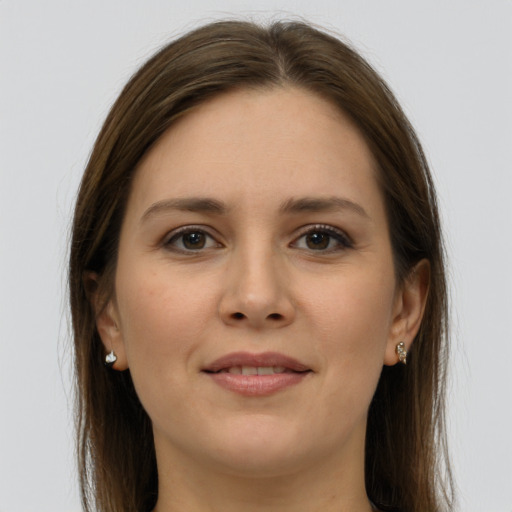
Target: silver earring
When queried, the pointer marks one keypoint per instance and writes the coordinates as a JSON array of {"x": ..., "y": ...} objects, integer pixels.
[
  {"x": 402, "y": 352},
  {"x": 110, "y": 359}
]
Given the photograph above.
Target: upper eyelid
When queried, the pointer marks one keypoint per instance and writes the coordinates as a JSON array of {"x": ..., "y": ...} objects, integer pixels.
[
  {"x": 323, "y": 227},
  {"x": 188, "y": 229}
]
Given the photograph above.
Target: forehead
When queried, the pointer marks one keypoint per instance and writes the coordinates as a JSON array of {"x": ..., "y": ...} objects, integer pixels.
[{"x": 250, "y": 143}]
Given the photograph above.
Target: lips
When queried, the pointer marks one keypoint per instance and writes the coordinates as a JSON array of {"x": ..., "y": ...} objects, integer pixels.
[
  {"x": 264, "y": 360},
  {"x": 256, "y": 374}
]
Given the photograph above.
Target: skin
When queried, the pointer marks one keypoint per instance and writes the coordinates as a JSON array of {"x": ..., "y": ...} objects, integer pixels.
[{"x": 259, "y": 284}]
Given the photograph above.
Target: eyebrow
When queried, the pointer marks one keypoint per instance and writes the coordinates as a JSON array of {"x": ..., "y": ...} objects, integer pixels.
[
  {"x": 187, "y": 204},
  {"x": 293, "y": 205},
  {"x": 322, "y": 204}
]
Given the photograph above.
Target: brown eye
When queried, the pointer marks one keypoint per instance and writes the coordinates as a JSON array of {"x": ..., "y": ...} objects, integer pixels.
[
  {"x": 195, "y": 240},
  {"x": 190, "y": 239},
  {"x": 323, "y": 238},
  {"x": 318, "y": 240}
]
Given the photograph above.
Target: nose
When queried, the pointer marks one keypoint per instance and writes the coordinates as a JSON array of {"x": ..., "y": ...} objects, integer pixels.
[{"x": 256, "y": 292}]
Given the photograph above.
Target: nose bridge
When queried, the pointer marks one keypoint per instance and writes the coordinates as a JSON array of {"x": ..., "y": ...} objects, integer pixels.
[
  {"x": 256, "y": 291},
  {"x": 257, "y": 275}
]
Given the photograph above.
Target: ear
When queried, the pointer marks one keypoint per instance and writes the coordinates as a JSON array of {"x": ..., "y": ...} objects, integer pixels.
[
  {"x": 408, "y": 310},
  {"x": 107, "y": 321}
]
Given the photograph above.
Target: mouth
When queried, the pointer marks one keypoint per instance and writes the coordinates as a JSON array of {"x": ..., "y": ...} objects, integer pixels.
[
  {"x": 267, "y": 362},
  {"x": 254, "y": 370},
  {"x": 256, "y": 374}
]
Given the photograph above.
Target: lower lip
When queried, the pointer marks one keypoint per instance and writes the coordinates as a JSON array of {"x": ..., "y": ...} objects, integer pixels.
[{"x": 257, "y": 385}]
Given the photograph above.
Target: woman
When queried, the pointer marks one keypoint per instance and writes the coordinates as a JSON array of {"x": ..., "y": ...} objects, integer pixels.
[{"x": 257, "y": 258}]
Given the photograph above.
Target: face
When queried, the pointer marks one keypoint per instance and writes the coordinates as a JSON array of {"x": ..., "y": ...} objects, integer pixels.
[{"x": 255, "y": 296}]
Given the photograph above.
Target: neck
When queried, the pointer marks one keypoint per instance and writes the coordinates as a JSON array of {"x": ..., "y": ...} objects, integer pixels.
[{"x": 326, "y": 485}]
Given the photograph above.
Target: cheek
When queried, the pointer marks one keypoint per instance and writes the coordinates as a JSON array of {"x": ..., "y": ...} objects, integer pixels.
[
  {"x": 353, "y": 306},
  {"x": 352, "y": 318},
  {"x": 162, "y": 319}
]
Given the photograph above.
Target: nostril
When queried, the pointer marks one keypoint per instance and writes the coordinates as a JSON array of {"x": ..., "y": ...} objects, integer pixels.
[
  {"x": 238, "y": 316},
  {"x": 275, "y": 316}
]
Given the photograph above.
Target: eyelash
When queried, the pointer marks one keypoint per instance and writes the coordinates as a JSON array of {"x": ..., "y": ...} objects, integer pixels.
[{"x": 343, "y": 242}]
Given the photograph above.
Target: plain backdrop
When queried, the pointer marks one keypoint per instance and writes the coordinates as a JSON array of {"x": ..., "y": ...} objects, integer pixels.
[{"x": 62, "y": 63}]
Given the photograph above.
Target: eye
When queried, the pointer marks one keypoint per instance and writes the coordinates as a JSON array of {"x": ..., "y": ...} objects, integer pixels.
[
  {"x": 190, "y": 239},
  {"x": 323, "y": 238}
]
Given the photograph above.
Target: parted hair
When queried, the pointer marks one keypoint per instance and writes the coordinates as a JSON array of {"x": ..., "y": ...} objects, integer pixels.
[{"x": 406, "y": 466}]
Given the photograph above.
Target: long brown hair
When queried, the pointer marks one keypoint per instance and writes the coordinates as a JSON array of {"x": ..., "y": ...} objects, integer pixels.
[{"x": 406, "y": 460}]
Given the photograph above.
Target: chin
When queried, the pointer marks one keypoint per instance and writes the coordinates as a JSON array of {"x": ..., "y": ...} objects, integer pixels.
[
  {"x": 260, "y": 462},
  {"x": 262, "y": 447}
]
